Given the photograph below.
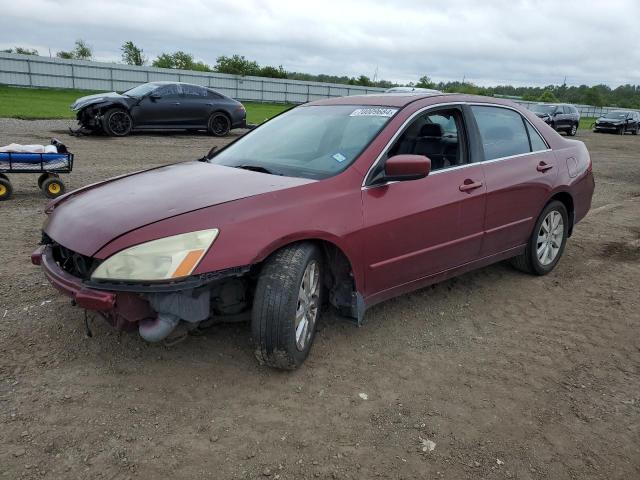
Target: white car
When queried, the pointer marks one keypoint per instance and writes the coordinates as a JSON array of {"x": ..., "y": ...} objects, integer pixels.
[{"x": 411, "y": 89}]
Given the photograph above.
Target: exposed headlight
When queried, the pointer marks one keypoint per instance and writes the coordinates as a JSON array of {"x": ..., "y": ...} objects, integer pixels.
[{"x": 167, "y": 258}]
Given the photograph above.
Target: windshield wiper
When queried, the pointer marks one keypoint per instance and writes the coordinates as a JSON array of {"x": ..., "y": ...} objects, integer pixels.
[{"x": 259, "y": 168}]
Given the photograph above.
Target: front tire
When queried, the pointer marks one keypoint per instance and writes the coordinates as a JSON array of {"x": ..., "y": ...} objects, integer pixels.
[
  {"x": 573, "y": 130},
  {"x": 286, "y": 306},
  {"x": 219, "y": 124},
  {"x": 635, "y": 132},
  {"x": 547, "y": 241},
  {"x": 117, "y": 122}
]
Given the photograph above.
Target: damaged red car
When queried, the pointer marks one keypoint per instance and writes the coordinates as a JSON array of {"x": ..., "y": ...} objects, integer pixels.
[{"x": 339, "y": 203}]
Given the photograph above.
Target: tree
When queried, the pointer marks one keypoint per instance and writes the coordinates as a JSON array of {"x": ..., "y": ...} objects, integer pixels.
[
  {"x": 425, "y": 82},
  {"x": 164, "y": 60},
  {"x": 364, "y": 81},
  {"x": 180, "y": 60},
  {"x": 273, "y": 72},
  {"x": 237, "y": 65},
  {"x": 82, "y": 50},
  {"x": 593, "y": 97},
  {"x": 132, "y": 55},
  {"x": 22, "y": 51},
  {"x": 548, "y": 97},
  {"x": 63, "y": 54}
]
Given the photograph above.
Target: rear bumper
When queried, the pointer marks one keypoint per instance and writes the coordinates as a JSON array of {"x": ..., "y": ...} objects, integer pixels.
[{"x": 71, "y": 286}]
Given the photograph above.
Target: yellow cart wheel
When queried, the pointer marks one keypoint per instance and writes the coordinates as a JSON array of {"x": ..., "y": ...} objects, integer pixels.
[
  {"x": 6, "y": 189},
  {"x": 53, "y": 187}
]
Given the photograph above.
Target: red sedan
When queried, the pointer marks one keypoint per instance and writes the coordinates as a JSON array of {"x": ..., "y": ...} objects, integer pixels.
[{"x": 343, "y": 203}]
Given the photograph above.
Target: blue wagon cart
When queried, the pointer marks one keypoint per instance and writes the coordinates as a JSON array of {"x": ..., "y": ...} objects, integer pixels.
[{"x": 48, "y": 165}]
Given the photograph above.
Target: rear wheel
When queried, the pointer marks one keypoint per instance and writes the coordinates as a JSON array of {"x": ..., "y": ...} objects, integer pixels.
[
  {"x": 547, "y": 242},
  {"x": 6, "y": 189},
  {"x": 53, "y": 187},
  {"x": 43, "y": 177},
  {"x": 286, "y": 306},
  {"x": 218, "y": 124},
  {"x": 117, "y": 122}
]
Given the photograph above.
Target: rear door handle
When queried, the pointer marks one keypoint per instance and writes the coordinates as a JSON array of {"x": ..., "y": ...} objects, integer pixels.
[
  {"x": 176, "y": 103},
  {"x": 469, "y": 185},
  {"x": 543, "y": 167}
]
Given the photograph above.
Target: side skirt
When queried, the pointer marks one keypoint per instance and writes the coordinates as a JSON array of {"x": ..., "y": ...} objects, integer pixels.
[{"x": 437, "y": 277}]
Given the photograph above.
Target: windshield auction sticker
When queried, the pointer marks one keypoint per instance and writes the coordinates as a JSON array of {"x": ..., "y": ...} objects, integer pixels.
[{"x": 373, "y": 112}]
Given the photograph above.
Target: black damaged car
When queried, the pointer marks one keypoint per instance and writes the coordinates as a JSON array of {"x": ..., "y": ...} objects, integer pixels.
[
  {"x": 160, "y": 106},
  {"x": 560, "y": 117},
  {"x": 619, "y": 121}
]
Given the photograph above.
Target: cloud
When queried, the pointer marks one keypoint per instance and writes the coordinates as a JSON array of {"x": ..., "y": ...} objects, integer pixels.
[{"x": 534, "y": 42}]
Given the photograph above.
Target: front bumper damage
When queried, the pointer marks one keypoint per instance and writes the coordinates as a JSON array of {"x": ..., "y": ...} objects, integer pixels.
[{"x": 154, "y": 310}]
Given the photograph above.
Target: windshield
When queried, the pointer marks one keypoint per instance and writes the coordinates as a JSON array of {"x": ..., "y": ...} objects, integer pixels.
[
  {"x": 141, "y": 90},
  {"x": 311, "y": 142},
  {"x": 616, "y": 115},
  {"x": 543, "y": 109}
]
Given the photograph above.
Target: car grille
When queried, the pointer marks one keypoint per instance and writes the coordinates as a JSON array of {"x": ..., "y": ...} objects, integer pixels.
[{"x": 71, "y": 262}]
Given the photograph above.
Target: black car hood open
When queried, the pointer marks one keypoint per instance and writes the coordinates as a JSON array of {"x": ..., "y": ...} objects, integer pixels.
[{"x": 98, "y": 98}]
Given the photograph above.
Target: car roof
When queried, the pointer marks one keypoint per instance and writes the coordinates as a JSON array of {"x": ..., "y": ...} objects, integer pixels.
[{"x": 400, "y": 100}]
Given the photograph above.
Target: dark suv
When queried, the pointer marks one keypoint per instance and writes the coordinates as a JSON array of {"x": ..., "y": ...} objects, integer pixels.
[
  {"x": 561, "y": 117},
  {"x": 618, "y": 121}
]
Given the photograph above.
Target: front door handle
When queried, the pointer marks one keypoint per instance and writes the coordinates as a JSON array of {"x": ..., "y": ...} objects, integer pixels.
[
  {"x": 176, "y": 103},
  {"x": 469, "y": 185},
  {"x": 543, "y": 167}
]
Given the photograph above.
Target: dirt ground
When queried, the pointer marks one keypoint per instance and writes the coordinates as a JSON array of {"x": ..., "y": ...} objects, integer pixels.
[{"x": 510, "y": 376}]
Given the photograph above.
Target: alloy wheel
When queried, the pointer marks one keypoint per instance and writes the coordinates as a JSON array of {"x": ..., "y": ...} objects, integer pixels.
[
  {"x": 308, "y": 303},
  {"x": 120, "y": 123},
  {"x": 550, "y": 237},
  {"x": 574, "y": 129},
  {"x": 219, "y": 125}
]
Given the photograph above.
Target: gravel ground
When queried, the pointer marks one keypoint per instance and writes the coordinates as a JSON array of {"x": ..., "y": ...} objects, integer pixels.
[{"x": 491, "y": 375}]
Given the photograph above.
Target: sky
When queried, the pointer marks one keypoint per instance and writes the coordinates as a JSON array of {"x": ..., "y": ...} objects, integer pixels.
[{"x": 487, "y": 42}]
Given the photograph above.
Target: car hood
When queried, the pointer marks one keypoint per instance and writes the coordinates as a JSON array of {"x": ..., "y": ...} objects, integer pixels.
[
  {"x": 87, "y": 219},
  {"x": 610, "y": 120},
  {"x": 97, "y": 98}
]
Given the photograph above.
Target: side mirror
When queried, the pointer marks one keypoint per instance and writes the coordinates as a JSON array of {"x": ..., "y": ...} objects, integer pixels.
[
  {"x": 154, "y": 97},
  {"x": 406, "y": 167}
]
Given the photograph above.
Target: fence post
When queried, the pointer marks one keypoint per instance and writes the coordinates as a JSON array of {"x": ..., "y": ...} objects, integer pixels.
[
  {"x": 111, "y": 77},
  {"x": 29, "y": 70},
  {"x": 73, "y": 77},
  {"x": 262, "y": 91},
  {"x": 308, "y": 88}
]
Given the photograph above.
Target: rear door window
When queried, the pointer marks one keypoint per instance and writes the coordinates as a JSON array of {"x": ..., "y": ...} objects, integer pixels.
[
  {"x": 167, "y": 91},
  {"x": 502, "y": 132},
  {"x": 193, "y": 91}
]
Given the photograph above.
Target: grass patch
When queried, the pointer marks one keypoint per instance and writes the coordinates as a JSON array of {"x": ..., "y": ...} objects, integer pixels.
[
  {"x": 46, "y": 103},
  {"x": 586, "y": 123}
]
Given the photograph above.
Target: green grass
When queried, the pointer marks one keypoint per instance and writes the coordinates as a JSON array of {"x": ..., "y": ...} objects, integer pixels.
[
  {"x": 45, "y": 103},
  {"x": 586, "y": 123}
]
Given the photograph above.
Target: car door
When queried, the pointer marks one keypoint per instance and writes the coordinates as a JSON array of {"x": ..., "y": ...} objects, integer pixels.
[
  {"x": 161, "y": 108},
  {"x": 414, "y": 229},
  {"x": 195, "y": 105},
  {"x": 519, "y": 170}
]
